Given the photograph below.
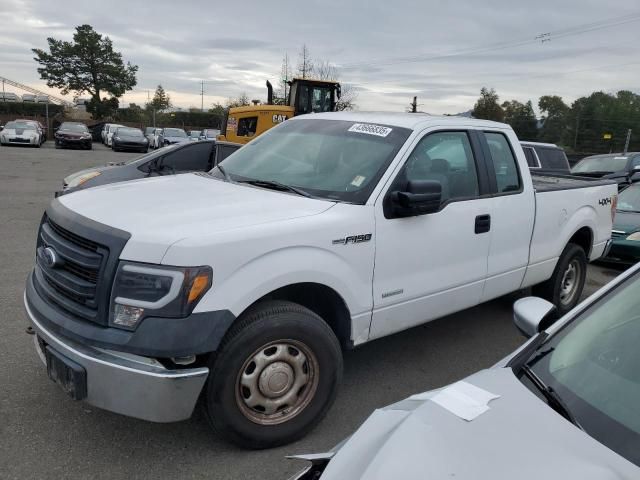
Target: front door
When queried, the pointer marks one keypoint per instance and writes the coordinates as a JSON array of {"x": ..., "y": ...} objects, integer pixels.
[{"x": 431, "y": 265}]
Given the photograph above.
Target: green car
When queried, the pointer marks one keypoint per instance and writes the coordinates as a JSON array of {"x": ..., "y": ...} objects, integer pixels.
[{"x": 626, "y": 228}]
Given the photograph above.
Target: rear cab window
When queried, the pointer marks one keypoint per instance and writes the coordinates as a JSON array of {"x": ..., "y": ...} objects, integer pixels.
[
  {"x": 505, "y": 165},
  {"x": 553, "y": 158}
]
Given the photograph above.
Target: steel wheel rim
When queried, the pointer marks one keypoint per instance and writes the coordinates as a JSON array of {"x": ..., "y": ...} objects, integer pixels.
[
  {"x": 277, "y": 382},
  {"x": 570, "y": 281}
]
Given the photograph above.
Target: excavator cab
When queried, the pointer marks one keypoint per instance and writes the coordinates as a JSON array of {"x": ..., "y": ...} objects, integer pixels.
[
  {"x": 243, "y": 124},
  {"x": 313, "y": 96}
]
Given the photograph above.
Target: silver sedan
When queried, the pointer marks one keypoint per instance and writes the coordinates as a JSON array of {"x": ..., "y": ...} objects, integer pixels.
[{"x": 565, "y": 405}]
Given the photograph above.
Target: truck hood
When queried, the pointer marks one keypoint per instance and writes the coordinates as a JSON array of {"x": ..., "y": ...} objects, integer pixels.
[
  {"x": 159, "y": 211},
  {"x": 519, "y": 437}
]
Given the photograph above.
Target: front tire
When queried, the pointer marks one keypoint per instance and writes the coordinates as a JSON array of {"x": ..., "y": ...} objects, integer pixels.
[
  {"x": 565, "y": 286},
  {"x": 274, "y": 377}
]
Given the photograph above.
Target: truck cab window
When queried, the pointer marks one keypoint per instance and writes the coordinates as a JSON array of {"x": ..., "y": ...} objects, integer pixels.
[
  {"x": 247, "y": 126},
  {"x": 532, "y": 161},
  {"x": 447, "y": 158},
  {"x": 504, "y": 163}
]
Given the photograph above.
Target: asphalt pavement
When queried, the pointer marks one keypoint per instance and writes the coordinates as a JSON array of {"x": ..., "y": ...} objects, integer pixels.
[{"x": 44, "y": 434}]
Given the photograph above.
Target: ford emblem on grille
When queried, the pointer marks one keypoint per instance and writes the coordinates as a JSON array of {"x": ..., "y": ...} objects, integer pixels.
[{"x": 51, "y": 258}]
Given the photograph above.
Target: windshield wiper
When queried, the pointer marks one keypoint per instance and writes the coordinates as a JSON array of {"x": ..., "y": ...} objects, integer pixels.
[
  {"x": 553, "y": 399},
  {"x": 277, "y": 186},
  {"x": 224, "y": 172}
]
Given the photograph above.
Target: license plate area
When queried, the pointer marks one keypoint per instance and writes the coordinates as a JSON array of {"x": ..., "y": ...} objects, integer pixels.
[{"x": 69, "y": 375}]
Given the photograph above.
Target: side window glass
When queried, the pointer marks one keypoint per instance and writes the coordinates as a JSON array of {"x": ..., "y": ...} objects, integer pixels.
[
  {"x": 635, "y": 162},
  {"x": 504, "y": 163},
  {"x": 225, "y": 151},
  {"x": 532, "y": 161},
  {"x": 445, "y": 157},
  {"x": 189, "y": 158},
  {"x": 303, "y": 102},
  {"x": 247, "y": 126}
]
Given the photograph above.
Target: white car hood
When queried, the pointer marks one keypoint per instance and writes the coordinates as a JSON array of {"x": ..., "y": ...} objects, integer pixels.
[
  {"x": 160, "y": 211},
  {"x": 519, "y": 437}
]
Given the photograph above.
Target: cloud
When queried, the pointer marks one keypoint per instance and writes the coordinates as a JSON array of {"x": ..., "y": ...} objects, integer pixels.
[{"x": 459, "y": 46}]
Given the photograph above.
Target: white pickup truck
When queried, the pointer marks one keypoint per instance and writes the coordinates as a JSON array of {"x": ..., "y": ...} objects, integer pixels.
[{"x": 241, "y": 286}]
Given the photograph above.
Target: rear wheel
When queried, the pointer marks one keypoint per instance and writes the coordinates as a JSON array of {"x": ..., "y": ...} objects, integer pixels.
[
  {"x": 274, "y": 377},
  {"x": 565, "y": 286}
]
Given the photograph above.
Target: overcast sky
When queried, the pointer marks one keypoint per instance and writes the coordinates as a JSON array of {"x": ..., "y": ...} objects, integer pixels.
[{"x": 444, "y": 52}]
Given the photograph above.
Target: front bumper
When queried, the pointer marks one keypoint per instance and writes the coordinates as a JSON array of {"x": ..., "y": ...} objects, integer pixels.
[
  {"x": 73, "y": 142},
  {"x": 127, "y": 384},
  {"x": 130, "y": 146}
]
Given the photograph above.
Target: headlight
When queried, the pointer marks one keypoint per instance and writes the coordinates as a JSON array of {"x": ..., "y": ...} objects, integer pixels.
[
  {"x": 80, "y": 179},
  {"x": 116, "y": 138},
  {"x": 144, "y": 290},
  {"x": 634, "y": 236}
]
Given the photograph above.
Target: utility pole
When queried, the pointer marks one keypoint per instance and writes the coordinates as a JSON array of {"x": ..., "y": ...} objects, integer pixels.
[
  {"x": 46, "y": 113},
  {"x": 414, "y": 105},
  {"x": 626, "y": 145},
  {"x": 4, "y": 99},
  {"x": 575, "y": 137},
  {"x": 202, "y": 96}
]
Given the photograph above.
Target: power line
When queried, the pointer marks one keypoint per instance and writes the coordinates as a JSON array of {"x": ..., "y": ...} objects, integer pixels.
[{"x": 576, "y": 30}]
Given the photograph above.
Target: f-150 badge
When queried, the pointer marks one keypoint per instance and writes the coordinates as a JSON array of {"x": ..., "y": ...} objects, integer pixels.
[{"x": 353, "y": 239}]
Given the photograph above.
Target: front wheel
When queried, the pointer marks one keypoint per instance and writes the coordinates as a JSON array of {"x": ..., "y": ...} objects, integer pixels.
[
  {"x": 565, "y": 286},
  {"x": 275, "y": 376}
]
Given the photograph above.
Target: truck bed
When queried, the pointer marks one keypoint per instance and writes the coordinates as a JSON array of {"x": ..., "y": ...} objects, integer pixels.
[{"x": 551, "y": 183}]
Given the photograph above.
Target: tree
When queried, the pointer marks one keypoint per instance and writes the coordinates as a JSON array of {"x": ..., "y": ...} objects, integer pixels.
[
  {"x": 487, "y": 106},
  {"x": 305, "y": 64},
  {"x": 281, "y": 94},
  {"x": 348, "y": 95},
  {"x": 161, "y": 100},
  {"x": 241, "y": 101},
  {"x": 88, "y": 64},
  {"x": 218, "y": 109},
  {"x": 522, "y": 119},
  {"x": 554, "y": 118}
]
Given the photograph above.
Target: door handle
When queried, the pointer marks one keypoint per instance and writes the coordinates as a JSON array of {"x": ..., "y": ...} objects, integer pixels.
[{"x": 483, "y": 223}]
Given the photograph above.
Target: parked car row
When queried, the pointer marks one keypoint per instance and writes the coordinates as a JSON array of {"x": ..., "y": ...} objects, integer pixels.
[
  {"x": 239, "y": 287},
  {"x": 27, "y": 98}
]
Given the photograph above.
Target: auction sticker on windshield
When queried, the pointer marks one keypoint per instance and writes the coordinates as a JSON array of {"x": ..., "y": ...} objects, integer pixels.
[{"x": 370, "y": 129}]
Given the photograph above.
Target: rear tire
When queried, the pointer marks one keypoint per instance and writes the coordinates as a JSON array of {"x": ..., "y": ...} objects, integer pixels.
[
  {"x": 274, "y": 376},
  {"x": 565, "y": 286}
]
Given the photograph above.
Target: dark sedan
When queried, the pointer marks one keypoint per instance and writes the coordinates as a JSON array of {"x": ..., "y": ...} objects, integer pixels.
[
  {"x": 186, "y": 157},
  {"x": 126, "y": 138},
  {"x": 73, "y": 134},
  {"x": 615, "y": 166},
  {"x": 625, "y": 248}
]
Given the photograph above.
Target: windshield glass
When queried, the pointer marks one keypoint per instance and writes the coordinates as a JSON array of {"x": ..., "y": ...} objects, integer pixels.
[
  {"x": 593, "y": 363},
  {"x": 129, "y": 132},
  {"x": 20, "y": 125},
  {"x": 629, "y": 199},
  {"x": 609, "y": 163},
  {"x": 174, "y": 132},
  {"x": 211, "y": 133},
  {"x": 74, "y": 127},
  {"x": 333, "y": 159}
]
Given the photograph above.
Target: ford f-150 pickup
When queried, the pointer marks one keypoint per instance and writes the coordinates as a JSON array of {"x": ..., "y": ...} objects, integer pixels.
[{"x": 240, "y": 287}]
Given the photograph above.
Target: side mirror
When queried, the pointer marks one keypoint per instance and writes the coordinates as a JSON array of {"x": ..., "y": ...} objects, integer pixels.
[
  {"x": 531, "y": 315},
  {"x": 421, "y": 197}
]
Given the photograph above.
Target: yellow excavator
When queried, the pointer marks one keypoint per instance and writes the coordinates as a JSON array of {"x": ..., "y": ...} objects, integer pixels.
[{"x": 243, "y": 124}]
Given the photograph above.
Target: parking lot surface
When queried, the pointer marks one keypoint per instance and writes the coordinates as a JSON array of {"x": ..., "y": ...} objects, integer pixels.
[{"x": 44, "y": 434}]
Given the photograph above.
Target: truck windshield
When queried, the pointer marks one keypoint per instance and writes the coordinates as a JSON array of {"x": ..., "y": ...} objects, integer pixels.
[
  {"x": 332, "y": 159},
  {"x": 592, "y": 364},
  {"x": 608, "y": 163}
]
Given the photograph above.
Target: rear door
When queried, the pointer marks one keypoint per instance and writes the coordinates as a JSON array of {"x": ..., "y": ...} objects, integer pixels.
[
  {"x": 432, "y": 265},
  {"x": 512, "y": 212}
]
